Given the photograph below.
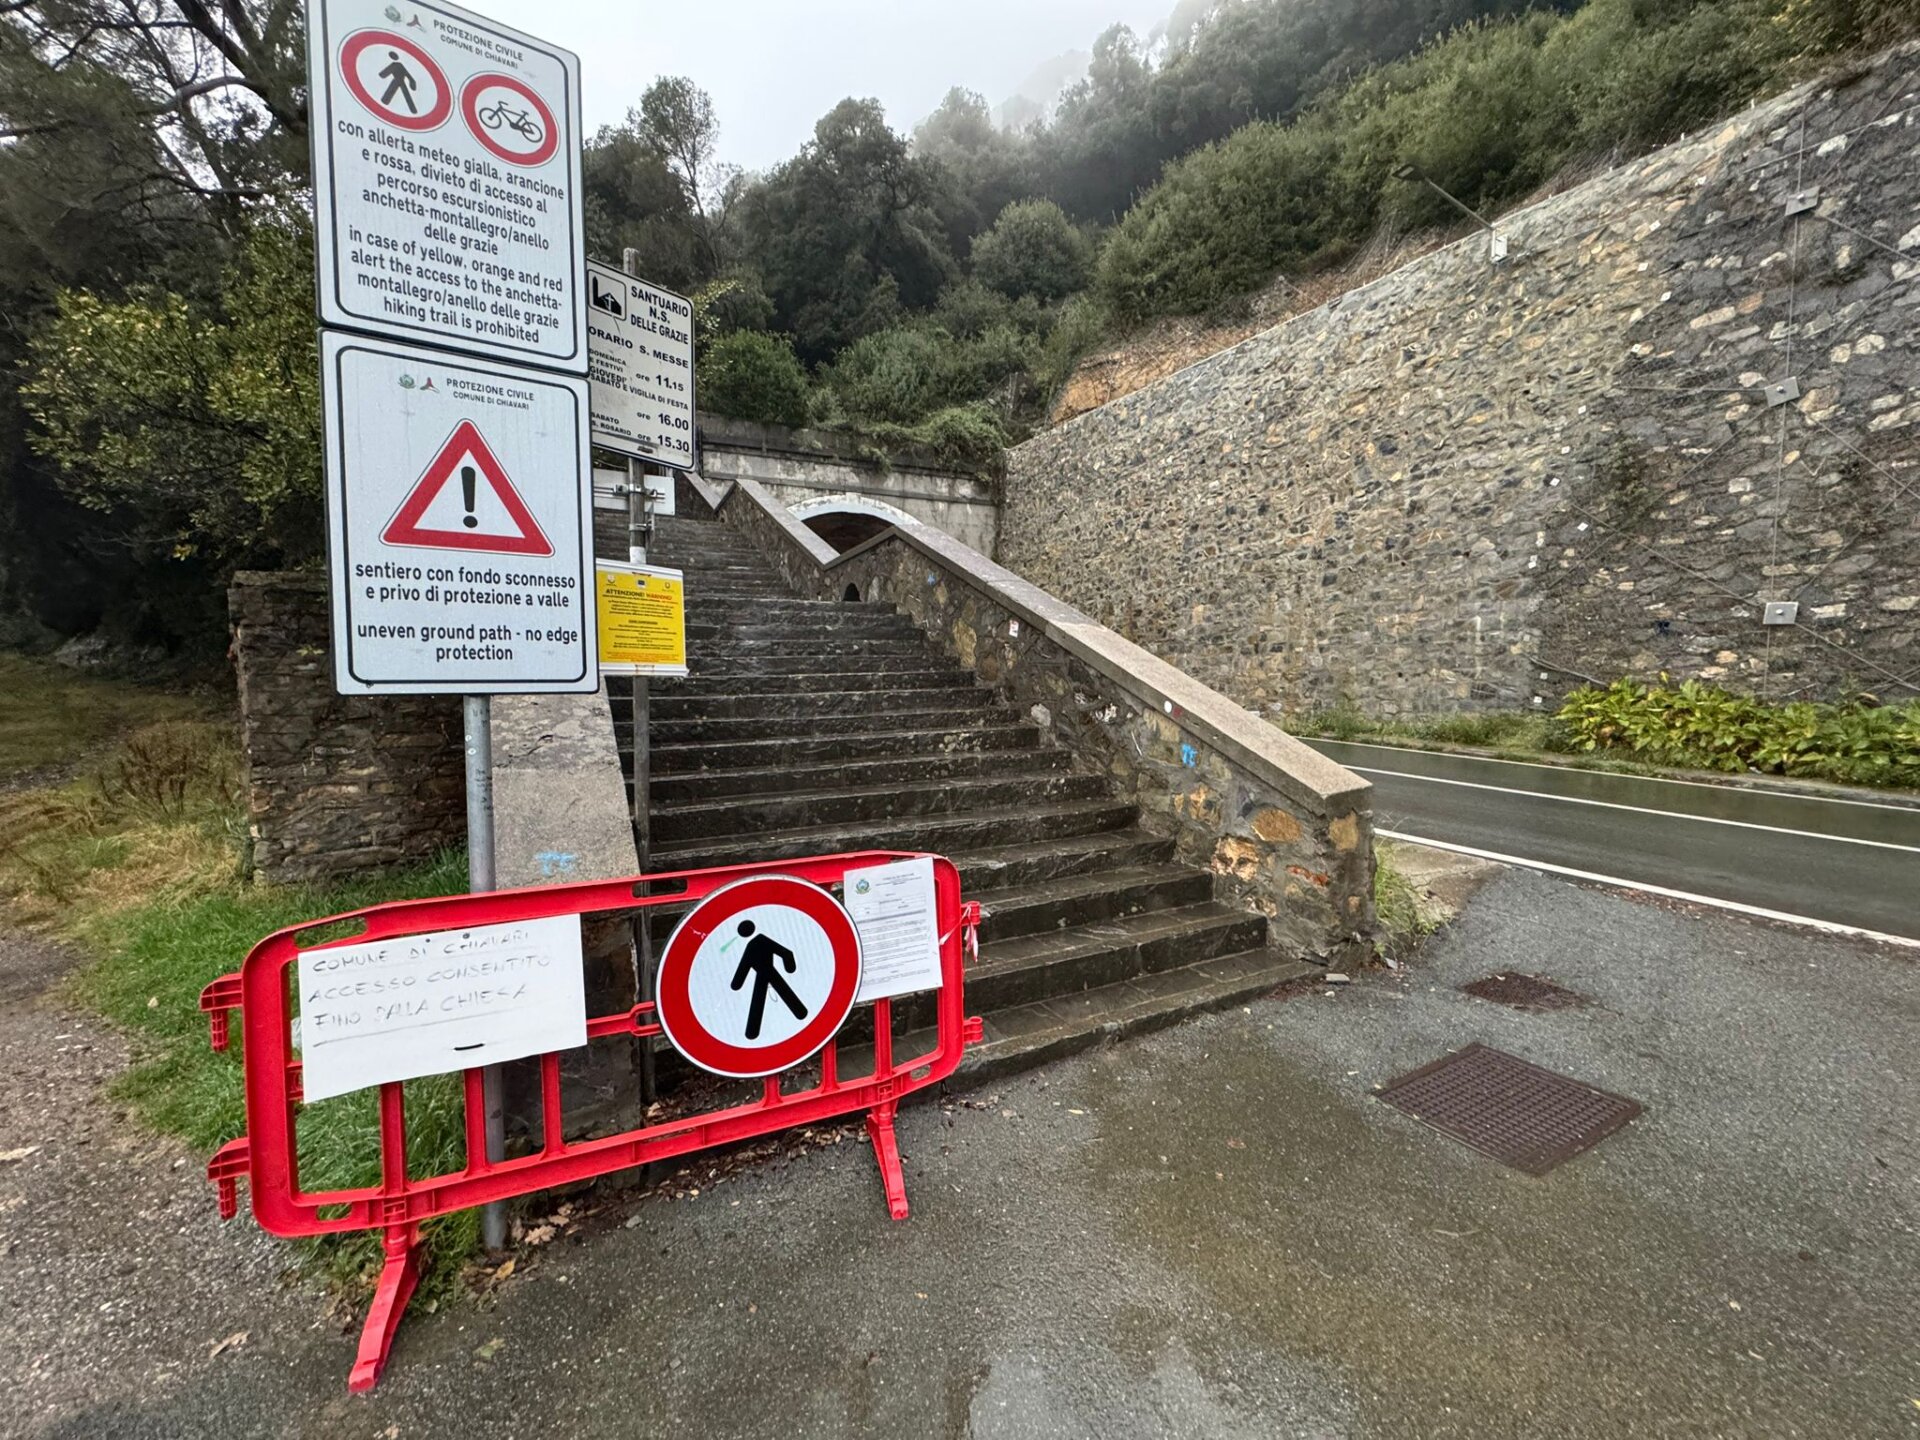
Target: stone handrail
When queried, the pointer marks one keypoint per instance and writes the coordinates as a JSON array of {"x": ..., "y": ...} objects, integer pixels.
[{"x": 1288, "y": 831}]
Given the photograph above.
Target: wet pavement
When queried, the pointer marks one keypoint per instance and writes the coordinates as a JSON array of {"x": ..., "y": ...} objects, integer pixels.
[
  {"x": 1845, "y": 857},
  {"x": 1213, "y": 1231}
]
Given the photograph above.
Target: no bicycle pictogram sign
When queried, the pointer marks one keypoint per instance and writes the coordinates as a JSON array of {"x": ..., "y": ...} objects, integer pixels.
[
  {"x": 449, "y": 509},
  {"x": 758, "y": 976}
]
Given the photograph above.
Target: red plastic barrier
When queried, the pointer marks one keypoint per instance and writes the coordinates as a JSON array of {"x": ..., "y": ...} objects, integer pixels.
[{"x": 266, "y": 1157}]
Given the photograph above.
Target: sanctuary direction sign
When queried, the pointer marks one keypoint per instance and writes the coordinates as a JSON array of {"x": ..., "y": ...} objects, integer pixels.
[
  {"x": 640, "y": 348},
  {"x": 446, "y": 165},
  {"x": 457, "y": 493}
]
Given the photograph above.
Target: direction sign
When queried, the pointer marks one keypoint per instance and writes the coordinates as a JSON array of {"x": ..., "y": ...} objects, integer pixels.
[
  {"x": 458, "y": 515},
  {"x": 758, "y": 976},
  {"x": 446, "y": 155},
  {"x": 640, "y": 342}
]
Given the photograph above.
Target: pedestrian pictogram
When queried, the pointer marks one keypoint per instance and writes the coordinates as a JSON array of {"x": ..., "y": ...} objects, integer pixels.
[
  {"x": 508, "y": 116},
  {"x": 395, "y": 79},
  {"x": 449, "y": 509},
  {"x": 759, "y": 976}
]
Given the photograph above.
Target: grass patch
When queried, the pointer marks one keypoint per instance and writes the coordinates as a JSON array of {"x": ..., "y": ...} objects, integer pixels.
[
  {"x": 140, "y": 862},
  {"x": 52, "y": 717},
  {"x": 1405, "y": 917},
  {"x": 153, "y": 960},
  {"x": 1489, "y": 729}
]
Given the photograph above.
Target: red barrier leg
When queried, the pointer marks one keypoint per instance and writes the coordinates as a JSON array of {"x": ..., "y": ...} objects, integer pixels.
[
  {"x": 397, "y": 1279},
  {"x": 886, "y": 1149}
]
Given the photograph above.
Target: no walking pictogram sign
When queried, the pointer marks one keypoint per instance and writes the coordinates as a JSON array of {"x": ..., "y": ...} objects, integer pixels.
[
  {"x": 758, "y": 976},
  {"x": 450, "y": 509}
]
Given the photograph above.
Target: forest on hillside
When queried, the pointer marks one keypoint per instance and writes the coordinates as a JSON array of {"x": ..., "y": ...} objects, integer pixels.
[{"x": 158, "y": 380}]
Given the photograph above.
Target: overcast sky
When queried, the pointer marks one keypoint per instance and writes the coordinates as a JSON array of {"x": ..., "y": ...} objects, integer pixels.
[{"x": 773, "y": 67}]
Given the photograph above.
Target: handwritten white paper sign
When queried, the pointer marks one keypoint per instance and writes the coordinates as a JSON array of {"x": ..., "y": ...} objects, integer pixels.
[
  {"x": 893, "y": 909},
  {"x": 429, "y": 1004}
]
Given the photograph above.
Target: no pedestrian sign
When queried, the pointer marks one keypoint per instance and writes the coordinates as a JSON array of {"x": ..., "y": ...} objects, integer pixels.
[
  {"x": 446, "y": 154},
  {"x": 758, "y": 976},
  {"x": 457, "y": 493},
  {"x": 640, "y": 344}
]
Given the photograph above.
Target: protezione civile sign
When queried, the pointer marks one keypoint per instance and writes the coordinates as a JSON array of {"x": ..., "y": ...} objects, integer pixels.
[{"x": 446, "y": 162}]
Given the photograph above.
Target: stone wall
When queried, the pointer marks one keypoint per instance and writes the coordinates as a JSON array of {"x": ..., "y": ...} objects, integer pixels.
[
  {"x": 1287, "y": 832},
  {"x": 822, "y": 467},
  {"x": 335, "y": 783},
  {"x": 1470, "y": 483}
]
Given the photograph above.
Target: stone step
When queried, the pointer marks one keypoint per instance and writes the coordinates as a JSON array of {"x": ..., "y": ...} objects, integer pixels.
[
  {"x": 1021, "y": 1037},
  {"x": 784, "y": 605},
  {"x": 722, "y": 756},
  {"x": 939, "y": 834},
  {"x": 788, "y": 657},
  {"x": 985, "y": 873},
  {"x": 1058, "y": 964},
  {"x": 855, "y": 676},
  {"x": 698, "y": 786},
  {"x": 1068, "y": 902},
  {"x": 751, "y": 815},
  {"x": 819, "y": 707},
  {"x": 714, "y": 728},
  {"x": 809, "y": 632}
]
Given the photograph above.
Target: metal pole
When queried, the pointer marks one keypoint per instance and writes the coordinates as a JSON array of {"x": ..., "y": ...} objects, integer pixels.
[
  {"x": 481, "y": 876},
  {"x": 639, "y": 532},
  {"x": 639, "y": 528}
]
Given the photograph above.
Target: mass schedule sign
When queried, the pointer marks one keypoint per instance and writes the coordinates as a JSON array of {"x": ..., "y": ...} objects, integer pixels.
[
  {"x": 640, "y": 347},
  {"x": 456, "y": 496},
  {"x": 446, "y": 180}
]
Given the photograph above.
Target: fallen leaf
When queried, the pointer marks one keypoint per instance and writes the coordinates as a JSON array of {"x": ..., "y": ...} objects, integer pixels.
[
  {"x": 1236, "y": 1144},
  {"x": 232, "y": 1342},
  {"x": 540, "y": 1235},
  {"x": 7, "y": 1157},
  {"x": 506, "y": 1269},
  {"x": 490, "y": 1349}
]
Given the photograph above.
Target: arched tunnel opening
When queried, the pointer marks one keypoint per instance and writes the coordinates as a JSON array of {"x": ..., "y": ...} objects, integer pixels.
[{"x": 844, "y": 529}]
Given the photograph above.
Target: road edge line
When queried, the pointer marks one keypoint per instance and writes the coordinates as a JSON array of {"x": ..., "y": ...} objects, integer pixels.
[{"x": 1831, "y": 927}]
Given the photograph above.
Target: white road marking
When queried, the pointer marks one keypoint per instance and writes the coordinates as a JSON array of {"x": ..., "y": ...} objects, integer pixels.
[
  {"x": 1832, "y": 927},
  {"x": 1638, "y": 809},
  {"x": 1614, "y": 775}
]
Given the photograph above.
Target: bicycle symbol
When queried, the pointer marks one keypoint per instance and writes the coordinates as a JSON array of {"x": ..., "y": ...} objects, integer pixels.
[{"x": 521, "y": 121}]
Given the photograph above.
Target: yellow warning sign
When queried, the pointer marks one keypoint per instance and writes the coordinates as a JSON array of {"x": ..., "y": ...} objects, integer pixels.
[{"x": 643, "y": 624}]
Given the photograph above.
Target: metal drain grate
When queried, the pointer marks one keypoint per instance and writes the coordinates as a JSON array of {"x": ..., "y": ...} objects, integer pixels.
[
  {"x": 1526, "y": 1117},
  {"x": 1525, "y": 992}
]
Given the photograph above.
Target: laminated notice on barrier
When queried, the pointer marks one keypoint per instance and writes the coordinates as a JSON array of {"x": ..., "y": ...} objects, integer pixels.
[
  {"x": 428, "y": 1004},
  {"x": 893, "y": 908}
]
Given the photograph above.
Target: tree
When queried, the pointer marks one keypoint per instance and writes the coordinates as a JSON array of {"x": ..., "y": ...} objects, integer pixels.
[
  {"x": 634, "y": 201},
  {"x": 844, "y": 234},
  {"x": 1033, "y": 249},
  {"x": 676, "y": 119},
  {"x": 751, "y": 375},
  {"x": 202, "y": 422}
]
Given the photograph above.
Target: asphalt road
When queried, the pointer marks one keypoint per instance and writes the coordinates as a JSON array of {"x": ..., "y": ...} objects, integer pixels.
[{"x": 1842, "y": 862}]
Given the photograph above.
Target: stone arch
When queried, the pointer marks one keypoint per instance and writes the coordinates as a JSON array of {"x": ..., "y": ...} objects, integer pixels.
[{"x": 844, "y": 521}]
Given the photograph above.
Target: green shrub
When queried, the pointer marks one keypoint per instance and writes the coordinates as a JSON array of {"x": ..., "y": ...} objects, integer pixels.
[
  {"x": 1702, "y": 727},
  {"x": 1033, "y": 249},
  {"x": 751, "y": 375}
]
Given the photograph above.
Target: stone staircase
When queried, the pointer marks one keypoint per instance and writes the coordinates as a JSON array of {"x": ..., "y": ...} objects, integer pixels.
[{"x": 812, "y": 727}]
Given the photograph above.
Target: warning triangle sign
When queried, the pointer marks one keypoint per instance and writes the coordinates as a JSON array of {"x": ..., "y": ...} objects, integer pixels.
[{"x": 465, "y": 501}]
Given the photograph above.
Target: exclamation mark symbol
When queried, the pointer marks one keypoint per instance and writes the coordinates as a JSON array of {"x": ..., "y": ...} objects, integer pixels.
[{"x": 466, "y": 490}]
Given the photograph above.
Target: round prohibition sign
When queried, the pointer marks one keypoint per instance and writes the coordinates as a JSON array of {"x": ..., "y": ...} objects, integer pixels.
[
  {"x": 758, "y": 976},
  {"x": 508, "y": 116},
  {"x": 397, "y": 68}
]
